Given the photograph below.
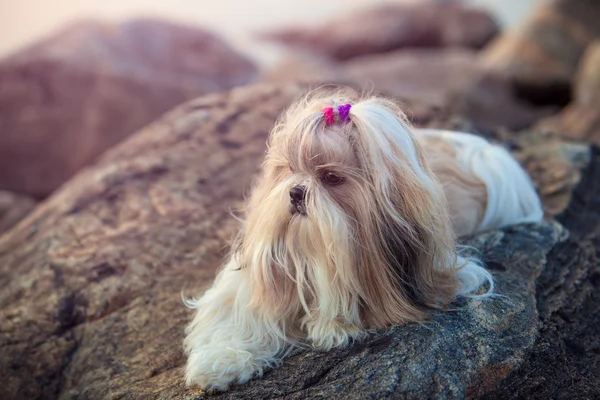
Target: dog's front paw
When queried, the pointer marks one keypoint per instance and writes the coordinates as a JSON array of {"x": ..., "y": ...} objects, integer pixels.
[
  {"x": 327, "y": 334},
  {"x": 214, "y": 369}
]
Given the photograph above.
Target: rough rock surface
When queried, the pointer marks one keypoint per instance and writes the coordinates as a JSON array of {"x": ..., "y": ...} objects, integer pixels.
[
  {"x": 90, "y": 282},
  {"x": 580, "y": 120},
  {"x": 65, "y": 100},
  {"x": 393, "y": 26},
  {"x": 13, "y": 208},
  {"x": 565, "y": 360},
  {"x": 542, "y": 57}
]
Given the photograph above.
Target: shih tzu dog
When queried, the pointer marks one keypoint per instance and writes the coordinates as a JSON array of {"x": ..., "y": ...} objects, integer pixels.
[{"x": 351, "y": 227}]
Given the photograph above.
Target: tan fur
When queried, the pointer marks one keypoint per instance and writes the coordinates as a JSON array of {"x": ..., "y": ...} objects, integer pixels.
[{"x": 466, "y": 194}]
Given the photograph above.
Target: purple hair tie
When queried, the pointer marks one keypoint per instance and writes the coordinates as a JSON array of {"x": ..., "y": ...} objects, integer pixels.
[{"x": 343, "y": 112}]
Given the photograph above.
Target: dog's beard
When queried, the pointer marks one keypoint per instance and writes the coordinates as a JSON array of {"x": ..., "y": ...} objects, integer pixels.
[{"x": 301, "y": 260}]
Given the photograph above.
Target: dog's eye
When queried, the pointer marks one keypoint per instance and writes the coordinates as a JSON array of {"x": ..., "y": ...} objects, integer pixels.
[{"x": 332, "y": 179}]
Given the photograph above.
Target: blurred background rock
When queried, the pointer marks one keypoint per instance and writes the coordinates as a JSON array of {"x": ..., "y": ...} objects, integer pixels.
[
  {"x": 78, "y": 77},
  {"x": 25, "y": 21}
]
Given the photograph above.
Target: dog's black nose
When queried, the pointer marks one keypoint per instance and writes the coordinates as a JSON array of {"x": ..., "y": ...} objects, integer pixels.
[{"x": 297, "y": 194}]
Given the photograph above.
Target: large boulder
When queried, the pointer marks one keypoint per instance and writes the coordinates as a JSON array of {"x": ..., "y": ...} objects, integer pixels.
[
  {"x": 580, "y": 120},
  {"x": 541, "y": 58},
  {"x": 389, "y": 27},
  {"x": 68, "y": 98},
  {"x": 91, "y": 280}
]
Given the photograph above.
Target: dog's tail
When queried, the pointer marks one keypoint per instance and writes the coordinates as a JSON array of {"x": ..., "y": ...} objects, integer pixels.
[{"x": 511, "y": 197}]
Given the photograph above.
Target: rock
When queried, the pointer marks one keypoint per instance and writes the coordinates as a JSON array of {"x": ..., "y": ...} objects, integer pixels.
[
  {"x": 91, "y": 280},
  {"x": 390, "y": 74},
  {"x": 393, "y": 26},
  {"x": 542, "y": 57},
  {"x": 68, "y": 98},
  {"x": 428, "y": 81},
  {"x": 456, "y": 355},
  {"x": 428, "y": 76},
  {"x": 305, "y": 67},
  {"x": 554, "y": 165},
  {"x": 446, "y": 79},
  {"x": 565, "y": 361},
  {"x": 493, "y": 101},
  {"x": 580, "y": 120},
  {"x": 13, "y": 207}
]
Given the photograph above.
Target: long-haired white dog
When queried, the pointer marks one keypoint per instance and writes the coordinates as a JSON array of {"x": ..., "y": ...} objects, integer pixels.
[{"x": 351, "y": 227}]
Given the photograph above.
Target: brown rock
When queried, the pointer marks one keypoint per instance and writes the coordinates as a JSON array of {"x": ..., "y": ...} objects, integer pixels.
[
  {"x": 580, "y": 120},
  {"x": 386, "y": 74},
  {"x": 427, "y": 76},
  {"x": 554, "y": 165},
  {"x": 13, "y": 208},
  {"x": 94, "y": 274},
  {"x": 66, "y": 99},
  {"x": 428, "y": 81},
  {"x": 542, "y": 57},
  {"x": 305, "y": 67},
  {"x": 394, "y": 26},
  {"x": 492, "y": 101},
  {"x": 447, "y": 79},
  {"x": 92, "y": 278}
]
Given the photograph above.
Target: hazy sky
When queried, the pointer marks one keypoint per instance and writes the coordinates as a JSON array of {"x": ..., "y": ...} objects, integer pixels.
[{"x": 22, "y": 21}]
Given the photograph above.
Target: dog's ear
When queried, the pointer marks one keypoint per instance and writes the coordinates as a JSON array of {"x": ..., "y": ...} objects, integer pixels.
[
  {"x": 416, "y": 249},
  {"x": 401, "y": 256},
  {"x": 419, "y": 278}
]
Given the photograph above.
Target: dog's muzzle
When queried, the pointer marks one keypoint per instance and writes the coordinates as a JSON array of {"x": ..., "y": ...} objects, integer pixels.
[{"x": 297, "y": 199}]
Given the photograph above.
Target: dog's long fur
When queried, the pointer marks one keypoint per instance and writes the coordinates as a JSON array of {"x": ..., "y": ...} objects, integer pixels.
[{"x": 376, "y": 249}]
